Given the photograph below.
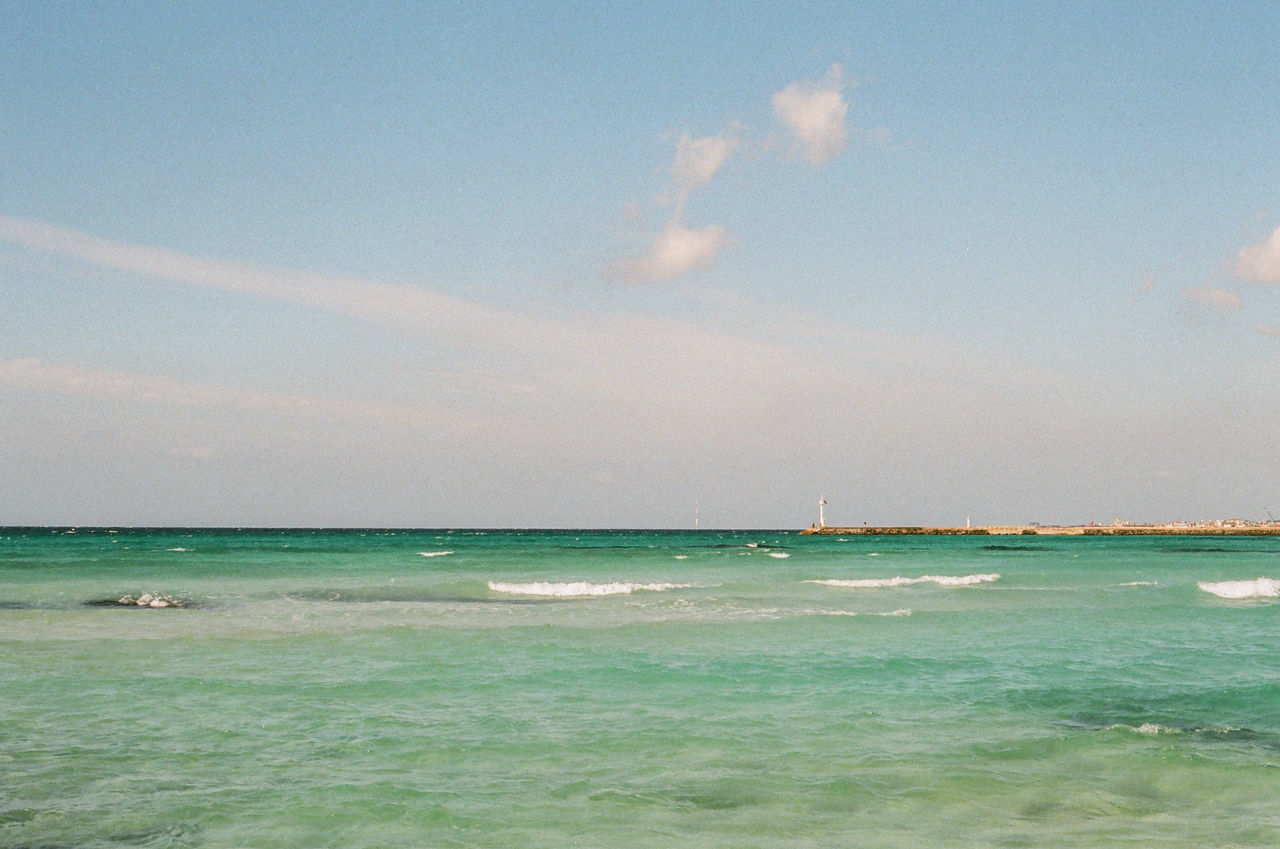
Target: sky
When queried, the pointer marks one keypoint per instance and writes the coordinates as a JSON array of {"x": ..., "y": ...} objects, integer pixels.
[{"x": 539, "y": 264}]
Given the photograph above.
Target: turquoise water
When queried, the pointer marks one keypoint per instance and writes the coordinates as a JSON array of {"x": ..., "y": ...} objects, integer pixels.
[{"x": 636, "y": 689}]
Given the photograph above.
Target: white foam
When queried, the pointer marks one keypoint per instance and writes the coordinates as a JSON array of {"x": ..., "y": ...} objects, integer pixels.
[
  {"x": 1257, "y": 588},
  {"x": 434, "y": 553},
  {"x": 571, "y": 589},
  {"x": 1146, "y": 729},
  {"x": 1141, "y": 584},
  {"x": 901, "y": 611},
  {"x": 778, "y": 554},
  {"x": 1151, "y": 729},
  {"x": 177, "y": 549},
  {"x": 880, "y": 583},
  {"x": 151, "y": 600},
  {"x": 682, "y": 557}
]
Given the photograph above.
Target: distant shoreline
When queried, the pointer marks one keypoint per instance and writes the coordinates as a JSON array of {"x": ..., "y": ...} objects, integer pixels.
[{"x": 1173, "y": 529}]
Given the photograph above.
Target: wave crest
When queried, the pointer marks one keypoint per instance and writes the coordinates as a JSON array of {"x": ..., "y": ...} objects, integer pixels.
[
  {"x": 882, "y": 583},
  {"x": 1257, "y": 588},
  {"x": 578, "y": 589}
]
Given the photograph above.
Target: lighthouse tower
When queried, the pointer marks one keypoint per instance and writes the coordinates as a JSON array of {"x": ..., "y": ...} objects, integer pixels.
[{"x": 822, "y": 517}]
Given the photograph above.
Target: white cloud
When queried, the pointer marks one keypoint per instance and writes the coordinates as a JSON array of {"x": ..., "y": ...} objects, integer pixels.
[
  {"x": 675, "y": 251},
  {"x": 678, "y": 249},
  {"x": 1260, "y": 263},
  {"x": 815, "y": 113},
  {"x": 1220, "y": 300},
  {"x": 697, "y": 160}
]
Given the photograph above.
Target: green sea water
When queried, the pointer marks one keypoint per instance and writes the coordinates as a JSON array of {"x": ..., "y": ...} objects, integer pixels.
[{"x": 636, "y": 689}]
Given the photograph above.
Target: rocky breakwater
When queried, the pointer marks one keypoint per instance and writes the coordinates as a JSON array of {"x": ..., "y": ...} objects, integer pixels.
[{"x": 1206, "y": 529}]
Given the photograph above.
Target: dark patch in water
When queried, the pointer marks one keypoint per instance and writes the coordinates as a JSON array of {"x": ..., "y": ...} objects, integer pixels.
[
  {"x": 1007, "y": 547},
  {"x": 708, "y": 802},
  {"x": 146, "y": 601},
  {"x": 1041, "y": 810},
  {"x": 1174, "y": 730},
  {"x": 1195, "y": 549},
  {"x": 181, "y": 834},
  {"x": 763, "y": 546},
  {"x": 18, "y": 815}
]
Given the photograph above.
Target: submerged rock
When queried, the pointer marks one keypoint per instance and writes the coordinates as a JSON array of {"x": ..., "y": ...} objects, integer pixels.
[{"x": 153, "y": 600}]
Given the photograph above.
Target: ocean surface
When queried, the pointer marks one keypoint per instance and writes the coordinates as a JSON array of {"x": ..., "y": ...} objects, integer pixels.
[{"x": 636, "y": 689}]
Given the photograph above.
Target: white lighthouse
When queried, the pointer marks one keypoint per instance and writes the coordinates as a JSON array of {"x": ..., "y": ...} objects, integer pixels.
[{"x": 822, "y": 516}]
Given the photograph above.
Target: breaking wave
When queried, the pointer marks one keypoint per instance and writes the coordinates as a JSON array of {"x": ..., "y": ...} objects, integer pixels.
[
  {"x": 579, "y": 589},
  {"x": 880, "y": 583},
  {"x": 434, "y": 553},
  {"x": 1257, "y": 588}
]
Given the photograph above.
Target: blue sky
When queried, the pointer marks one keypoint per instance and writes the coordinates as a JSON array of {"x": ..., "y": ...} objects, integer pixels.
[{"x": 539, "y": 264}]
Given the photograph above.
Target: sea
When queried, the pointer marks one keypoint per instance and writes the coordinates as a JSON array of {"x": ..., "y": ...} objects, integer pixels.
[{"x": 531, "y": 688}]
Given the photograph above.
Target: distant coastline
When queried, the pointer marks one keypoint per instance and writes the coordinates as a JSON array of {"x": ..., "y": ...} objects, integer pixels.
[{"x": 1228, "y": 527}]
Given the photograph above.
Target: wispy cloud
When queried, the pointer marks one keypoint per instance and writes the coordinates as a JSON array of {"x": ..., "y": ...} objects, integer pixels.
[
  {"x": 1220, "y": 300},
  {"x": 85, "y": 381},
  {"x": 762, "y": 388},
  {"x": 698, "y": 160},
  {"x": 678, "y": 249},
  {"x": 814, "y": 111},
  {"x": 675, "y": 251},
  {"x": 1260, "y": 263},
  {"x": 388, "y": 304},
  {"x": 604, "y": 385}
]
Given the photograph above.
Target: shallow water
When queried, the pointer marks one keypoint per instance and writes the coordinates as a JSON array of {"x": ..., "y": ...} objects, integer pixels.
[{"x": 632, "y": 689}]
